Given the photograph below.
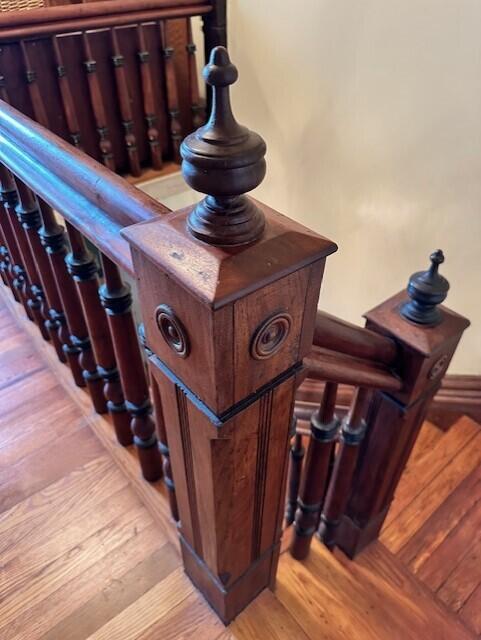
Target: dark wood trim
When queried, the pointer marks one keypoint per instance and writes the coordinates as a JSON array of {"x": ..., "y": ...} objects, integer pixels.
[{"x": 459, "y": 395}]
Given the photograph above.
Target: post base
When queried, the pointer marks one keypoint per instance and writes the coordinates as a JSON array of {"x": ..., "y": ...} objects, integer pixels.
[
  {"x": 229, "y": 600},
  {"x": 352, "y": 538}
]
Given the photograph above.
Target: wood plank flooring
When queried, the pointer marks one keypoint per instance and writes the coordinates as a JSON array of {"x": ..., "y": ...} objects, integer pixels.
[{"x": 87, "y": 549}]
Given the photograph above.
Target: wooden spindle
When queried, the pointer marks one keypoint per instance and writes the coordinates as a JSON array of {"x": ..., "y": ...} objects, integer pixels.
[
  {"x": 11, "y": 254},
  {"x": 352, "y": 433},
  {"x": 296, "y": 457},
  {"x": 52, "y": 306},
  {"x": 66, "y": 93},
  {"x": 117, "y": 300},
  {"x": 164, "y": 449},
  {"x": 324, "y": 429},
  {"x": 97, "y": 104},
  {"x": 197, "y": 109},
  {"x": 123, "y": 96},
  {"x": 27, "y": 218},
  {"x": 55, "y": 242},
  {"x": 148, "y": 99},
  {"x": 84, "y": 270},
  {"x": 36, "y": 99},
  {"x": 172, "y": 91}
]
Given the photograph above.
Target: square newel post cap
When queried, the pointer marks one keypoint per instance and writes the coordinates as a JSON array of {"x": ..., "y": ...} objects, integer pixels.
[
  {"x": 228, "y": 320},
  {"x": 426, "y": 331}
]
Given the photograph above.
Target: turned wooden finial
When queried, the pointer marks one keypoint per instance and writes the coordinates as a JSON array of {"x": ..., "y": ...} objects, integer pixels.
[
  {"x": 426, "y": 290},
  {"x": 224, "y": 160}
]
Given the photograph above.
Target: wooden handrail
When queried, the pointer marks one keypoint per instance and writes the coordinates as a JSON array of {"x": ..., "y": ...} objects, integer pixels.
[
  {"x": 79, "y": 12},
  {"x": 338, "y": 335},
  {"x": 324, "y": 364},
  {"x": 95, "y": 200}
]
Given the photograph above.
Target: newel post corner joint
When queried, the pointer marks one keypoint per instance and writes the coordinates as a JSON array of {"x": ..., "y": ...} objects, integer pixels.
[
  {"x": 427, "y": 335},
  {"x": 229, "y": 291}
]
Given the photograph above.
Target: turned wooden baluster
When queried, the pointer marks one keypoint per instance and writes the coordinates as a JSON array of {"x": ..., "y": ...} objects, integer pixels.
[
  {"x": 28, "y": 221},
  {"x": 4, "y": 260},
  {"x": 117, "y": 300},
  {"x": 296, "y": 455},
  {"x": 66, "y": 94},
  {"x": 52, "y": 307},
  {"x": 78, "y": 350},
  {"x": 172, "y": 92},
  {"x": 16, "y": 271},
  {"x": 31, "y": 290},
  {"x": 123, "y": 96},
  {"x": 352, "y": 433},
  {"x": 164, "y": 447},
  {"x": 84, "y": 270},
  {"x": 324, "y": 429},
  {"x": 148, "y": 99},
  {"x": 38, "y": 106},
  {"x": 97, "y": 103},
  {"x": 198, "y": 113}
]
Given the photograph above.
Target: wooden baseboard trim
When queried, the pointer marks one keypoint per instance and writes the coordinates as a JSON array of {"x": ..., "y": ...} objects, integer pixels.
[{"x": 459, "y": 395}]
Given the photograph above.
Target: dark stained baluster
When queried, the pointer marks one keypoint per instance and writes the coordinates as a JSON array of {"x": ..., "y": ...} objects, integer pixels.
[
  {"x": 53, "y": 239},
  {"x": 148, "y": 98},
  {"x": 117, "y": 300},
  {"x": 11, "y": 256},
  {"x": 172, "y": 92},
  {"x": 296, "y": 456},
  {"x": 198, "y": 112},
  {"x": 123, "y": 96},
  {"x": 164, "y": 449},
  {"x": 324, "y": 429},
  {"x": 66, "y": 93},
  {"x": 4, "y": 260},
  {"x": 97, "y": 104},
  {"x": 51, "y": 305},
  {"x": 25, "y": 218},
  {"x": 352, "y": 432},
  {"x": 82, "y": 266},
  {"x": 33, "y": 89}
]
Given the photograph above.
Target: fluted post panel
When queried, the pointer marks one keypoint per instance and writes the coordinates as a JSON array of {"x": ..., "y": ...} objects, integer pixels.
[
  {"x": 427, "y": 335},
  {"x": 228, "y": 291}
]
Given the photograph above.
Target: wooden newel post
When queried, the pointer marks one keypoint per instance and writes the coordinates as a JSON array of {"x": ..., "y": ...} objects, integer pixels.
[
  {"x": 229, "y": 292},
  {"x": 427, "y": 336}
]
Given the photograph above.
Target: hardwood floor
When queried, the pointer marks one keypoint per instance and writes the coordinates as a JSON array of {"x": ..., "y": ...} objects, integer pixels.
[{"x": 87, "y": 549}]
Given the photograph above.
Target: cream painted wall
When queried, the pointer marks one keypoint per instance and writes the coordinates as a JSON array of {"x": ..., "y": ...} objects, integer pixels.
[{"x": 371, "y": 110}]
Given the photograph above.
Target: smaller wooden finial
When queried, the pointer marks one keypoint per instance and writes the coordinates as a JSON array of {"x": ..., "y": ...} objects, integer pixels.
[
  {"x": 426, "y": 290},
  {"x": 224, "y": 160}
]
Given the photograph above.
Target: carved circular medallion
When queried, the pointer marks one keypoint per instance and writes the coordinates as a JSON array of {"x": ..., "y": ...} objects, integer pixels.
[
  {"x": 172, "y": 330},
  {"x": 270, "y": 336},
  {"x": 438, "y": 367}
]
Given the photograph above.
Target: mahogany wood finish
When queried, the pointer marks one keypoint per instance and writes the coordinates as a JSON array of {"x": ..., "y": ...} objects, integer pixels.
[
  {"x": 127, "y": 106},
  {"x": 338, "y": 335},
  {"x": 55, "y": 242},
  {"x": 296, "y": 457},
  {"x": 353, "y": 429},
  {"x": 124, "y": 99},
  {"x": 97, "y": 103},
  {"x": 117, "y": 300},
  {"x": 228, "y": 329},
  {"x": 148, "y": 97},
  {"x": 32, "y": 288},
  {"x": 198, "y": 114},
  {"x": 168, "y": 53},
  {"x": 396, "y": 417},
  {"x": 164, "y": 447},
  {"x": 324, "y": 430},
  {"x": 84, "y": 270}
]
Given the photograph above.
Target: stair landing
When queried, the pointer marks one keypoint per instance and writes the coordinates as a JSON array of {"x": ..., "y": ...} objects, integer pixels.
[{"x": 87, "y": 549}]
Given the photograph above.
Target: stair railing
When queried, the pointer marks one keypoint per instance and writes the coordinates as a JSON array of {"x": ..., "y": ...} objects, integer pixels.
[
  {"x": 345, "y": 485},
  {"x": 117, "y": 79},
  {"x": 228, "y": 290}
]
